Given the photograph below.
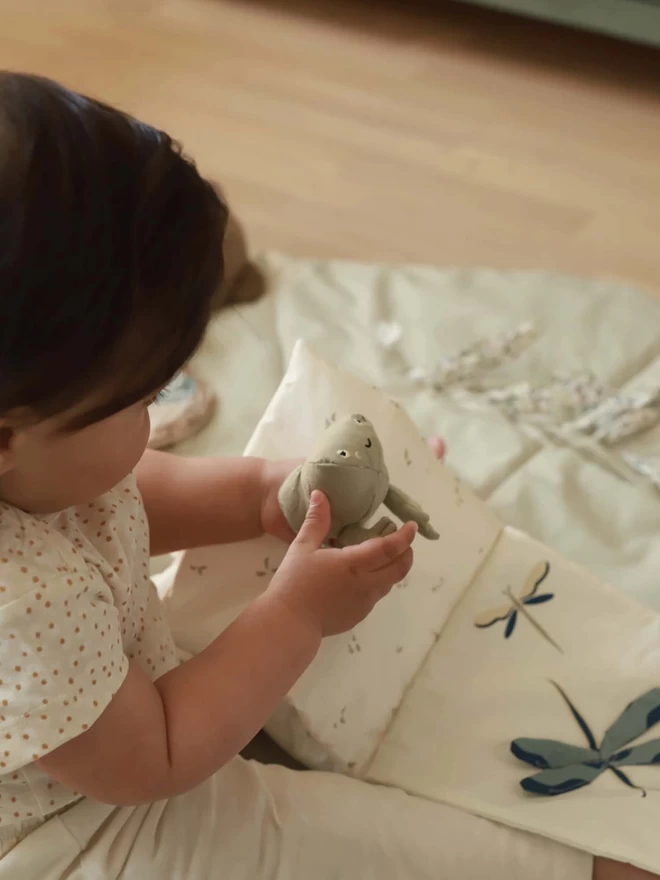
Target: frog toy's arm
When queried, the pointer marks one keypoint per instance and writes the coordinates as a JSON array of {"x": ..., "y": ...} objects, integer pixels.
[
  {"x": 356, "y": 534},
  {"x": 403, "y": 507}
]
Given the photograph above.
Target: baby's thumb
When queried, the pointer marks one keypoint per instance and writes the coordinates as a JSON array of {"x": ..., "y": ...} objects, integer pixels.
[{"x": 314, "y": 530}]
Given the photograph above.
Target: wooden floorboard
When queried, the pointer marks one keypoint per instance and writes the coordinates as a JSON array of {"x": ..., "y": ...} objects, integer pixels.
[{"x": 428, "y": 132}]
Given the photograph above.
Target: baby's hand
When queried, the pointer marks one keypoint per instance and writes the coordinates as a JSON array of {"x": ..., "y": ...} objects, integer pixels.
[
  {"x": 272, "y": 519},
  {"x": 332, "y": 589}
]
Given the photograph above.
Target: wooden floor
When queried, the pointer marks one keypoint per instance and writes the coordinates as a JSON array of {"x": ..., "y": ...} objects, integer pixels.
[{"x": 384, "y": 131}]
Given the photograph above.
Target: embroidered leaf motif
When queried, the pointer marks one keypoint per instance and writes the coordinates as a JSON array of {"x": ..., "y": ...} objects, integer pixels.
[
  {"x": 579, "y": 411},
  {"x": 469, "y": 365},
  {"x": 267, "y": 569}
]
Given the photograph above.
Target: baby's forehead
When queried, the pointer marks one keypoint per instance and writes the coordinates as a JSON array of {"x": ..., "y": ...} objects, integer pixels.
[{"x": 109, "y": 401}]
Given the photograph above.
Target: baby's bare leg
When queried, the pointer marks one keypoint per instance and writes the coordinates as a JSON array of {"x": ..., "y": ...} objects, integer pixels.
[{"x": 604, "y": 869}]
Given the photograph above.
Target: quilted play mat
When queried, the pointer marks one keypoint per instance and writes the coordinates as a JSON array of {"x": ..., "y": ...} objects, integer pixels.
[{"x": 516, "y": 672}]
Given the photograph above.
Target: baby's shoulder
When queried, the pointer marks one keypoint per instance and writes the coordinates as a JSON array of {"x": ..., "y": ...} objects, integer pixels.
[
  {"x": 69, "y": 546},
  {"x": 33, "y": 552}
]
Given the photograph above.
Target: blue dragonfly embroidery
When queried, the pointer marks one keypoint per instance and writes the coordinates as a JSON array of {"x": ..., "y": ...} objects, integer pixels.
[
  {"x": 565, "y": 767},
  {"x": 517, "y": 605}
]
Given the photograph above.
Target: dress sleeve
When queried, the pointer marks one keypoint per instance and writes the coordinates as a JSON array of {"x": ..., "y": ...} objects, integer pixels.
[{"x": 61, "y": 659}]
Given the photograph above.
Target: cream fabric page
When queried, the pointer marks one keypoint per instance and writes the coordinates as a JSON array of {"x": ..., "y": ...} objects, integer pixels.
[
  {"x": 480, "y": 690},
  {"x": 337, "y": 713}
]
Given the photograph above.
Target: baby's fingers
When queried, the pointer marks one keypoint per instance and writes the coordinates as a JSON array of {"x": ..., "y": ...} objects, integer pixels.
[
  {"x": 379, "y": 553},
  {"x": 391, "y": 574}
]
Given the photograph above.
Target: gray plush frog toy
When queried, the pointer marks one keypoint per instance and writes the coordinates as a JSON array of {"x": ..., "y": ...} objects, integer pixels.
[{"x": 347, "y": 465}]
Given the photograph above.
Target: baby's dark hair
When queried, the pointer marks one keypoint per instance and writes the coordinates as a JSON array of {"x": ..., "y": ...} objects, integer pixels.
[{"x": 110, "y": 253}]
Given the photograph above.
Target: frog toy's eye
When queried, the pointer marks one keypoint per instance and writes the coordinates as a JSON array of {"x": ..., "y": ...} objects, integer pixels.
[
  {"x": 359, "y": 420},
  {"x": 343, "y": 453}
]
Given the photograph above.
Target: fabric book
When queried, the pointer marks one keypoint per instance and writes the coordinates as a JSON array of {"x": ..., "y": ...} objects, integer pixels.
[{"x": 498, "y": 677}]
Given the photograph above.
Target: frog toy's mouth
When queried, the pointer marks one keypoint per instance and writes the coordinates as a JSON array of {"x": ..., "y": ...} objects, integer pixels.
[{"x": 327, "y": 462}]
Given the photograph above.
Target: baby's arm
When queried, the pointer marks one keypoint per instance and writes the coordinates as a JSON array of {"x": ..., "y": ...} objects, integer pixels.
[
  {"x": 197, "y": 502},
  {"x": 158, "y": 739}
]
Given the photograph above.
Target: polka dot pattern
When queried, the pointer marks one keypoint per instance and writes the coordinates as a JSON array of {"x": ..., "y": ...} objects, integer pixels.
[{"x": 76, "y": 603}]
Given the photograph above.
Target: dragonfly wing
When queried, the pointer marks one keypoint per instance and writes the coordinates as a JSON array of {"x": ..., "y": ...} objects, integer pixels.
[
  {"x": 551, "y": 754},
  {"x": 539, "y": 600},
  {"x": 534, "y": 579},
  {"x": 488, "y": 618},
  {"x": 646, "y": 754},
  {"x": 511, "y": 625},
  {"x": 561, "y": 781},
  {"x": 636, "y": 719}
]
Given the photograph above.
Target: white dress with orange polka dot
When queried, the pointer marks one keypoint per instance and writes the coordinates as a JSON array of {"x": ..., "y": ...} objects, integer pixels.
[{"x": 76, "y": 603}]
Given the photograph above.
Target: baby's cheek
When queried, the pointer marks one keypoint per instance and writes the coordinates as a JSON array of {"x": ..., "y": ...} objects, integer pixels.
[
  {"x": 146, "y": 426},
  {"x": 136, "y": 439},
  {"x": 134, "y": 430}
]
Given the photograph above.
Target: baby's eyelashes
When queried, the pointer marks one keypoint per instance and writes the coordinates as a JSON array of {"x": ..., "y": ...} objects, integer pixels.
[{"x": 158, "y": 398}]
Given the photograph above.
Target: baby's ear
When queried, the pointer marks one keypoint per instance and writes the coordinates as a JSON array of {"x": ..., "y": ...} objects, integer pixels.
[{"x": 10, "y": 438}]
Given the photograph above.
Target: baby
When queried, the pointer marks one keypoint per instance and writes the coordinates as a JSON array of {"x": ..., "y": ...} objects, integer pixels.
[{"x": 117, "y": 760}]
